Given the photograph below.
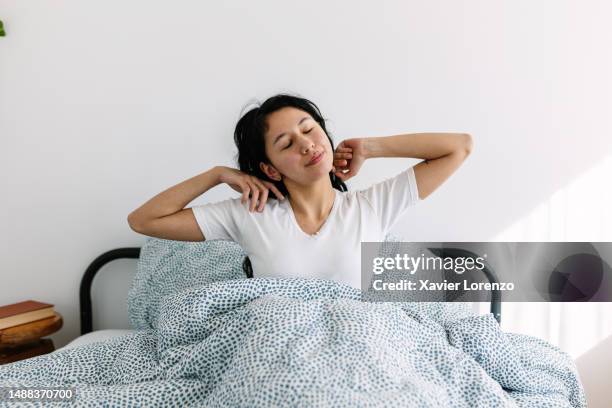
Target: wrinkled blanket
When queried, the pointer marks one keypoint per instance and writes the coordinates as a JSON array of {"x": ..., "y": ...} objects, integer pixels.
[{"x": 272, "y": 342}]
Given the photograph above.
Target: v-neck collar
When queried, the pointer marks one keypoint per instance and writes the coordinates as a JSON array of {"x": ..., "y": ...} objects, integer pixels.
[{"x": 325, "y": 224}]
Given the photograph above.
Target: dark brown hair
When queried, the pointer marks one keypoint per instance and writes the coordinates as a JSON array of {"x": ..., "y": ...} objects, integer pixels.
[{"x": 249, "y": 137}]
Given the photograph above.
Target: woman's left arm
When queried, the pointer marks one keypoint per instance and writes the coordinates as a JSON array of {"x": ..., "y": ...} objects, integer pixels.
[{"x": 442, "y": 154}]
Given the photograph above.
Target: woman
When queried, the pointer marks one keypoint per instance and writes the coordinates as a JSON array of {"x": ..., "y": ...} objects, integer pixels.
[{"x": 295, "y": 217}]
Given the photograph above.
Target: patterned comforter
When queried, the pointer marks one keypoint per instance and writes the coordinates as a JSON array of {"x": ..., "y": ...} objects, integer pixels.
[{"x": 271, "y": 342}]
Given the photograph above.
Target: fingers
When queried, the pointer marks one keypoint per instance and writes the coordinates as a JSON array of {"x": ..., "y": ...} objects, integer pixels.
[
  {"x": 263, "y": 190},
  {"x": 340, "y": 163},
  {"x": 257, "y": 191},
  {"x": 343, "y": 155},
  {"x": 254, "y": 195},
  {"x": 275, "y": 190},
  {"x": 245, "y": 192},
  {"x": 260, "y": 190},
  {"x": 341, "y": 158},
  {"x": 344, "y": 171},
  {"x": 248, "y": 193},
  {"x": 262, "y": 200},
  {"x": 344, "y": 176}
]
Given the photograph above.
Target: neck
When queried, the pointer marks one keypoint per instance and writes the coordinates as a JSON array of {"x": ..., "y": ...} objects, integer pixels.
[{"x": 313, "y": 202}]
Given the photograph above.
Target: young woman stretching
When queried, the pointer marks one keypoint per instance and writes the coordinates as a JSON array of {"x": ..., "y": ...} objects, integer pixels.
[{"x": 295, "y": 217}]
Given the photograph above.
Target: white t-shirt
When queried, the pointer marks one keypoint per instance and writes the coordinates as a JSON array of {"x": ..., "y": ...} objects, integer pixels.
[{"x": 278, "y": 247}]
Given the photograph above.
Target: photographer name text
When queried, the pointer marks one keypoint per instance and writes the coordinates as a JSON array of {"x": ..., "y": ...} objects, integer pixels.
[{"x": 427, "y": 285}]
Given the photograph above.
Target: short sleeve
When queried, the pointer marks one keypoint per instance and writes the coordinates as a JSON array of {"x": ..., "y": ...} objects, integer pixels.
[
  {"x": 220, "y": 220},
  {"x": 391, "y": 197}
]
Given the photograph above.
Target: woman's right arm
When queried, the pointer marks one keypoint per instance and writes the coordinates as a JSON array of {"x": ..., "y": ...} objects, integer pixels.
[{"x": 165, "y": 216}]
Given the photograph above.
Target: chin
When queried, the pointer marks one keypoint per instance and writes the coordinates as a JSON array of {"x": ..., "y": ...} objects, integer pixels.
[{"x": 322, "y": 171}]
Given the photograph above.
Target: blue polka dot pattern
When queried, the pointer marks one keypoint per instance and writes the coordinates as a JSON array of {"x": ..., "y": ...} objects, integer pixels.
[
  {"x": 211, "y": 341},
  {"x": 166, "y": 267}
]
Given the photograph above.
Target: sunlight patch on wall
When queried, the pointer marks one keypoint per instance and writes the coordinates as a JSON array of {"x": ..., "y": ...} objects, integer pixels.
[{"x": 580, "y": 211}]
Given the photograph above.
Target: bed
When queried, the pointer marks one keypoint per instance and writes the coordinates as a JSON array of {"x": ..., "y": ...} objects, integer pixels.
[
  {"x": 85, "y": 302},
  {"x": 205, "y": 335}
]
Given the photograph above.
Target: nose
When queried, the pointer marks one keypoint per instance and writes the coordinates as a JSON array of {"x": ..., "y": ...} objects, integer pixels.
[{"x": 307, "y": 144}]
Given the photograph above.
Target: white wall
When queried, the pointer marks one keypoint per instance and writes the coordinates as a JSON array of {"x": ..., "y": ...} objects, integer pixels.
[{"x": 105, "y": 104}]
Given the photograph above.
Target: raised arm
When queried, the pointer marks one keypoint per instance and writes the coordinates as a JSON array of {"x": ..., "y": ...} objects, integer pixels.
[
  {"x": 165, "y": 216},
  {"x": 442, "y": 154}
]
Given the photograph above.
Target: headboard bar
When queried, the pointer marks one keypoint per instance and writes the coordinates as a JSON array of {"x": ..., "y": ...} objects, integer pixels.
[{"x": 88, "y": 277}]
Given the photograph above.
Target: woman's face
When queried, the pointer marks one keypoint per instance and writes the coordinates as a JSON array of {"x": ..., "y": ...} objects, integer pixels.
[{"x": 292, "y": 139}]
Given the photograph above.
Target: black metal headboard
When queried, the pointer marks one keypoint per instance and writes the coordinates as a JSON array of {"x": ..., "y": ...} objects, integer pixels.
[
  {"x": 88, "y": 277},
  {"x": 134, "y": 253}
]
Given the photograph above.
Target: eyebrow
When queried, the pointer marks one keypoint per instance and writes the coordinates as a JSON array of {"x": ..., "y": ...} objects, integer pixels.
[{"x": 283, "y": 134}]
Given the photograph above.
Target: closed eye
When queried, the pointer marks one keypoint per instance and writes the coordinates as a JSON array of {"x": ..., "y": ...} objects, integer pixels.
[{"x": 290, "y": 143}]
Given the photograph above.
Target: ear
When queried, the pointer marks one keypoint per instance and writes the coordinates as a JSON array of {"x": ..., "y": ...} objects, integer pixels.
[{"x": 270, "y": 171}]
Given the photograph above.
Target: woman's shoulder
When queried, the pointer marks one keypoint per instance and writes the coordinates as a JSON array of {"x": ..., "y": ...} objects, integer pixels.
[
  {"x": 272, "y": 207},
  {"x": 354, "y": 199}
]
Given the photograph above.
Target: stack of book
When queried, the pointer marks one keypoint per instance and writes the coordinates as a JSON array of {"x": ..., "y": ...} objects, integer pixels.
[{"x": 24, "y": 312}]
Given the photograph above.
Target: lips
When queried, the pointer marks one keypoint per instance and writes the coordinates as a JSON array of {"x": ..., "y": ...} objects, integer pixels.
[{"x": 315, "y": 159}]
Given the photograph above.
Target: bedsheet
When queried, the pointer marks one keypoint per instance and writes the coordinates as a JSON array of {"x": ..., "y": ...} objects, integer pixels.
[
  {"x": 306, "y": 342},
  {"x": 97, "y": 335}
]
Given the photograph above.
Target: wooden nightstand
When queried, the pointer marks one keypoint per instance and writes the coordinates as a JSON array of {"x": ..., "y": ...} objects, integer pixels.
[{"x": 25, "y": 341}]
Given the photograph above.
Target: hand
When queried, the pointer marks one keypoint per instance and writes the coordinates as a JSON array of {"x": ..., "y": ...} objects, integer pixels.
[
  {"x": 249, "y": 186},
  {"x": 349, "y": 156}
]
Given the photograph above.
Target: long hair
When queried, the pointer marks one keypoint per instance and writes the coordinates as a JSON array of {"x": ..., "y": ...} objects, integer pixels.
[{"x": 249, "y": 137}]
